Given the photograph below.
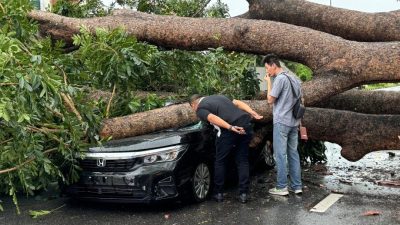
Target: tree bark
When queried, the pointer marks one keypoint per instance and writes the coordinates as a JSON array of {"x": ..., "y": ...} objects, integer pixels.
[
  {"x": 367, "y": 102},
  {"x": 149, "y": 121},
  {"x": 361, "y": 101},
  {"x": 338, "y": 64},
  {"x": 349, "y": 24},
  {"x": 358, "y": 134}
]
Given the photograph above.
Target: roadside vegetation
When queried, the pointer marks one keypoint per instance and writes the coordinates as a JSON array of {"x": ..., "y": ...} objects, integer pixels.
[{"x": 46, "y": 115}]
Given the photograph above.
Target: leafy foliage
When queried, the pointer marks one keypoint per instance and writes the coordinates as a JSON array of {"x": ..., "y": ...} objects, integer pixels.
[
  {"x": 91, "y": 8},
  {"x": 13, "y": 20},
  {"x": 40, "y": 135},
  {"x": 380, "y": 85},
  {"x": 46, "y": 117},
  {"x": 186, "y": 8},
  {"x": 312, "y": 151},
  {"x": 301, "y": 70}
]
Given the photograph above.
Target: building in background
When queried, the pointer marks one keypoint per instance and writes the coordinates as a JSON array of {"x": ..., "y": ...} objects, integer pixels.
[{"x": 44, "y": 4}]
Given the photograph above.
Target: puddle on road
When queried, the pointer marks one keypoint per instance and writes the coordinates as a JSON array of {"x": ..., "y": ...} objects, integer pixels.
[{"x": 360, "y": 177}]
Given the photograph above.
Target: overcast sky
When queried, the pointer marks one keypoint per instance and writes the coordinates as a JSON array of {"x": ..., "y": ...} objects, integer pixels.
[{"x": 237, "y": 7}]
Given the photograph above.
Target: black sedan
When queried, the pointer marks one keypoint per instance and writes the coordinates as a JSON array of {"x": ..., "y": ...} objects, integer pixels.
[{"x": 164, "y": 165}]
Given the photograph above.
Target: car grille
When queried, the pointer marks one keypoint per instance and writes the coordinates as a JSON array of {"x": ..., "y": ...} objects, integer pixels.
[
  {"x": 107, "y": 191},
  {"x": 118, "y": 165}
]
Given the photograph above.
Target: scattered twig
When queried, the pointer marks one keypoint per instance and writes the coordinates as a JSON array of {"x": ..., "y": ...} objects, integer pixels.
[
  {"x": 36, "y": 213},
  {"x": 371, "y": 213},
  {"x": 26, "y": 162},
  {"x": 201, "y": 9},
  {"x": 64, "y": 74},
  {"x": 8, "y": 84},
  {"x": 44, "y": 129},
  {"x": 109, "y": 102},
  {"x": 389, "y": 183},
  {"x": 3, "y": 142},
  {"x": 60, "y": 115},
  {"x": 70, "y": 105}
]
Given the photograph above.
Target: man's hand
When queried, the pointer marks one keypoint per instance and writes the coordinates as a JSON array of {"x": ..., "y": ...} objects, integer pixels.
[
  {"x": 267, "y": 77},
  {"x": 257, "y": 116},
  {"x": 239, "y": 130}
]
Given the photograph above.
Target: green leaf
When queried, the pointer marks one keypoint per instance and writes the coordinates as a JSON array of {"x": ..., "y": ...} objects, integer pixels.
[{"x": 37, "y": 213}]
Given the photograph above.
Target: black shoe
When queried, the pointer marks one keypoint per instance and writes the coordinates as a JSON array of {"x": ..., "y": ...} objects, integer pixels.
[
  {"x": 243, "y": 198},
  {"x": 219, "y": 197}
]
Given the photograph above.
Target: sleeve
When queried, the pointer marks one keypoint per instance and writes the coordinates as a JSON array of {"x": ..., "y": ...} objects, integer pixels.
[
  {"x": 202, "y": 114},
  {"x": 277, "y": 87}
]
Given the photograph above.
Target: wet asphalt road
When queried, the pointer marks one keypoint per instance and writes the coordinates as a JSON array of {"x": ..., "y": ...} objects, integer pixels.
[{"x": 263, "y": 208}]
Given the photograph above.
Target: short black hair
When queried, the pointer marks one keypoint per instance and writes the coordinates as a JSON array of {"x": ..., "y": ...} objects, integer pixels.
[
  {"x": 271, "y": 59},
  {"x": 193, "y": 98}
]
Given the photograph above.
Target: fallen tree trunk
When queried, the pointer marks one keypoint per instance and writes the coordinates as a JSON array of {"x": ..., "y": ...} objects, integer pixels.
[
  {"x": 163, "y": 118},
  {"x": 349, "y": 24},
  {"x": 367, "y": 102},
  {"x": 338, "y": 64},
  {"x": 361, "y": 101},
  {"x": 358, "y": 134}
]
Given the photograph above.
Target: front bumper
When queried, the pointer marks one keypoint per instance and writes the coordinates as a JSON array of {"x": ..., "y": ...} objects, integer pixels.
[{"x": 140, "y": 185}]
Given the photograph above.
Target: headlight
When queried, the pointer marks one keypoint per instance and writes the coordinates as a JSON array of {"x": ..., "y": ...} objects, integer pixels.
[{"x": 165, "y": 154}]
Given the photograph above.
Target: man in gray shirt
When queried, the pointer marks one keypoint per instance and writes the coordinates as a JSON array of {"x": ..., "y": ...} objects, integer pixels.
[{"x": 285, "y": 134}]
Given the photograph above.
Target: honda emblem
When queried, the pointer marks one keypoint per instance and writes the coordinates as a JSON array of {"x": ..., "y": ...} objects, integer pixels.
[{"x": 101, "y": 162}]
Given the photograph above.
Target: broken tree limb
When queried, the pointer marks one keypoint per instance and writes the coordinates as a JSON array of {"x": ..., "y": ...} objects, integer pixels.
[
  {"x": 163, "y": 118},
  {"x": 361, "y": 101},
  {"x": 149, "y": 121},
  {"x": 338, "y": 64},
  {"x": 314, "y": 48},
  {"x": 358, "y": 134},
  {"x": 367, "y": 102},
  {"x": 349, "y": 24}
]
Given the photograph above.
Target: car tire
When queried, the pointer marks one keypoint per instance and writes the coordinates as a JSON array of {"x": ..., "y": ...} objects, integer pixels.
[
  {"x": 201, "y": 182},
  {"x": 267, "y": 154}
]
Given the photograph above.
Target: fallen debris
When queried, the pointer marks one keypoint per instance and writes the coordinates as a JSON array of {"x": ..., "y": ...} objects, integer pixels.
[
  {"x": 395, "y": 183},
  {"x": 345, "y": 181},
  {"x": 371, "y": 213}
]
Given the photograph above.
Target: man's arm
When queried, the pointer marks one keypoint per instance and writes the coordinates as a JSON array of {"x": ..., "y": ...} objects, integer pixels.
[
  {"x": 214, "y": 119},
  {"x": 270, "y": 99},
  {"x": 243, "y": 106}
]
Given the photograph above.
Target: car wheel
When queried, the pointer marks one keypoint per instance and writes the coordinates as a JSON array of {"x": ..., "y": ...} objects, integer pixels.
[
  {"x": 201, "y": 182},
  {"x": 268, "y": 154}
]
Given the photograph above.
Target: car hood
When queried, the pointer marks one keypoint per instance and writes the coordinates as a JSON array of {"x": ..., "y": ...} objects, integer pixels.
[{"x": 150, "y": 141}]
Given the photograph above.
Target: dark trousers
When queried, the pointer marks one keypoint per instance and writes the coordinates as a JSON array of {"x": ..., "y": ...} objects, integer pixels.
[{"x": 225, "y": 143}]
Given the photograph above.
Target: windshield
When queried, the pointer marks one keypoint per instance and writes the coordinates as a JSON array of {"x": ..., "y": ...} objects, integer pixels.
[{"x": 196, "y": 126}]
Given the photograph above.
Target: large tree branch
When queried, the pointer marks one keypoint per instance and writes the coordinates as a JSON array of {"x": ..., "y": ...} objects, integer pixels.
[
  {"x": 318, "y": 50},
  {"x": 368, "y": 102},
  {"x": 338, "y": 64},
  {"x": 361, "y": 101},
  {"x": 349, "y": 24},
  {"x": 357, "y": 133}
]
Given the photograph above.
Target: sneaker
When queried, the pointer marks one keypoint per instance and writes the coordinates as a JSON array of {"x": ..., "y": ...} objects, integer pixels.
[
  {"x": 297, "y": 191},
  {"x": 243, "y": 198},
  {"x": 276, "y": 191},
  {"x": 218, "y": 197}
]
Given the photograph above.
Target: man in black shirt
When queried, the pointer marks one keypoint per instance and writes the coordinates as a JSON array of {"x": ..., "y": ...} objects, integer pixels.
[{"x": 232, "y": 120}]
